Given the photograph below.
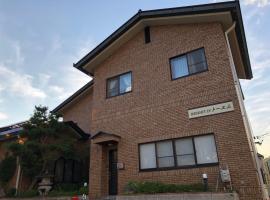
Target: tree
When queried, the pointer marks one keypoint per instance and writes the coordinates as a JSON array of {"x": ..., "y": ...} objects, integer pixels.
[{"x": 42, "y": 141}]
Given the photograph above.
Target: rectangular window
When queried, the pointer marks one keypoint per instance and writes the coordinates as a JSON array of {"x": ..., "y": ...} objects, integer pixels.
[
  {"x": 205, "y": 149},
  {"x": 178, "y": 153},
  {"x": 184, "y": 152},
  {"x": 118, "y": 85},
  {"x": 165, "y": 154},
  {"x": 189, "y": 63},
  {"x": 148, "y": 156}
]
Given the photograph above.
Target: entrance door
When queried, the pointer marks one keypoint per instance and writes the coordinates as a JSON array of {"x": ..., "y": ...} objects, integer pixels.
[{"x": 113, "y": 172}]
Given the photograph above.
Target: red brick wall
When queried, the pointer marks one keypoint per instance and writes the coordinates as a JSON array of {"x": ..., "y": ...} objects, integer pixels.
[
  {"x": 79, "y": 111},
  {"x": 157, "y": 108}
]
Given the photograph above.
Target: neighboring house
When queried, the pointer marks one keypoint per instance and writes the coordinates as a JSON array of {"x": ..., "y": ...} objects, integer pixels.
[
  {"x": 264, "y": 173},
  {"x": 267, "y": 172},
  {"x": 64, "y": 171},
  {"x": 165, "y": 103},
  {"x": 9, "y": 133}
]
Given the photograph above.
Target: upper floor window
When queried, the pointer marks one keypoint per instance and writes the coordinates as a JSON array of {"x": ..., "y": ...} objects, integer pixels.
[
  {"x": 118, "y": 85},
  {"x": 189, "y": 63},
  {"x": 177, "y": 153}
]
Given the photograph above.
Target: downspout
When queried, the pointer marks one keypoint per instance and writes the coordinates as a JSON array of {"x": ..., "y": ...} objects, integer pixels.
[{"x": 243, "y": 111}]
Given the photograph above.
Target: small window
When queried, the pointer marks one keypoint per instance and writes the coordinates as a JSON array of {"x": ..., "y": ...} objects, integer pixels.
[
  {"x": 184, "y": 152},
  {"x": 119, "y": 85},
  {"x": 147, "y": 156},
  {"x": 187, "y": 64},
  {"x": 165, "y": 154},
  {"x": 205, "y": 149}
]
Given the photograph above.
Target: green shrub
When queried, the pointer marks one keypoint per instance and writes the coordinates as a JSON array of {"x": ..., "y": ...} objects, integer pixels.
[
  {"x": 56, "y": 193},
  {"x": 10, "y": 192},
  {"x": 7, "y": 169},
  {"x": 28, "y": 193},
  {"x": 83, "y": 190},
  {"x": 157, "y": 187},
  {"x": 67, "y": 187}
]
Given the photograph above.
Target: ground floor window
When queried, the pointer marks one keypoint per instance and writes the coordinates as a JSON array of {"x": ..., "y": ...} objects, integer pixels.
[
  {"x": 67, "y": 171},
  {"x": 180, "y": 152}
]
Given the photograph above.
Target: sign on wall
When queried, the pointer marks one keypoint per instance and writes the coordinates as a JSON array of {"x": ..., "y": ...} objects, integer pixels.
[{"x": 211, "y": 110}]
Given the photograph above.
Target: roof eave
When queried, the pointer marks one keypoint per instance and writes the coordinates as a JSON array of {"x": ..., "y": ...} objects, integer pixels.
[
  {"x": 73, "y": 96},
  {"x": 232, "y": 6}
]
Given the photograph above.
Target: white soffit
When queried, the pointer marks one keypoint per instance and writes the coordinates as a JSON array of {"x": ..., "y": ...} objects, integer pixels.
[{"x": 224, "y": 18}]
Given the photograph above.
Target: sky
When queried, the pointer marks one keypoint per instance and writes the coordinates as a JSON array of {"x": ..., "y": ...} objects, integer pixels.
[{"x": 40, "y": 41}]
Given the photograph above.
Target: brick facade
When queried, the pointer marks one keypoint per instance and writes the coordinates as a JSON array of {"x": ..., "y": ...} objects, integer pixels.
[
  {"x": 79, "y": 111},
  {"x": 157, "y": 108}
]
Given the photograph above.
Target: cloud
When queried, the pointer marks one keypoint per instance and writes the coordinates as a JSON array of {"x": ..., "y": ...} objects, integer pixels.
[
  {"x": 259, "y": 3},
  {"x": 44, "y": 79},
  {"x": 18, "y": 54},
  {"x": 3, "y": 116},
  {"x": 256, "y": 91},
  {"x": 73, "y": 79},
  {"x": 19, "y": 84},
  {"x": 85, "y": 47},
  {"x": 16, "y": 58}
]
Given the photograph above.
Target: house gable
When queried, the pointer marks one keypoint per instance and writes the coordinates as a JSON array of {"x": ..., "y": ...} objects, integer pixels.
[{"x": 225, "y": 13}]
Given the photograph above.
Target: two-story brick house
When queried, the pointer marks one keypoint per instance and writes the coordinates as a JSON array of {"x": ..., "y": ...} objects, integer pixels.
[{"x": 165, "y": 102}]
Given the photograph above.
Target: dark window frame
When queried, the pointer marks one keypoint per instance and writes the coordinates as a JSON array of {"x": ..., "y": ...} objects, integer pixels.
[
  {"x": 188, "y": 65},
  {"x": 157, "y": 157},
  {"x": 64, "y": 170},
  {"x": 175, "y": 156},
  {"x": 117, "y": 77}
]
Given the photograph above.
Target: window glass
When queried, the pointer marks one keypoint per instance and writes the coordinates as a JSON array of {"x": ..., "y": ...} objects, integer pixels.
[
  {"x": 184, "y": 151},
  {"x": 205, "y": 149},
  {"x": 196, "y": 61},
  {"x": 195, "y": 57},
  {"x": 68, "y": 171},
  {"x": 198, "y": 67},
  {"x": 125, "y": 83},
  {"x": 147, "y": 156},
  {"x": 179, "y": 67},
  {"x": 112, "y": 87},
  {"x": 188, "y": 64},
  {"x": 165, "y": 154},
  {"x": 59, "y": 170},
  {"x": 77, "y": 171}
]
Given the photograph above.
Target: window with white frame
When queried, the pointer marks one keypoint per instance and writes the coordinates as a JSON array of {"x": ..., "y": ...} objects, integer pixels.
[{"x": 177, "y": 153}]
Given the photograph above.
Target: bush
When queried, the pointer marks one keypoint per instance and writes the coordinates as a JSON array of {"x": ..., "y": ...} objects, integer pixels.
[
  {"x": 67, "y": 187},
  {"x": 7, "y": 169},
  {"x": 10, "y": 192},
  {"x": 68, "y": 190},
  {"x": 28, "y": 193},
  {"x": 157, "y": 187},
  {"x": 83, "y": 190},
  {"x": 56, "y": 193}
]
